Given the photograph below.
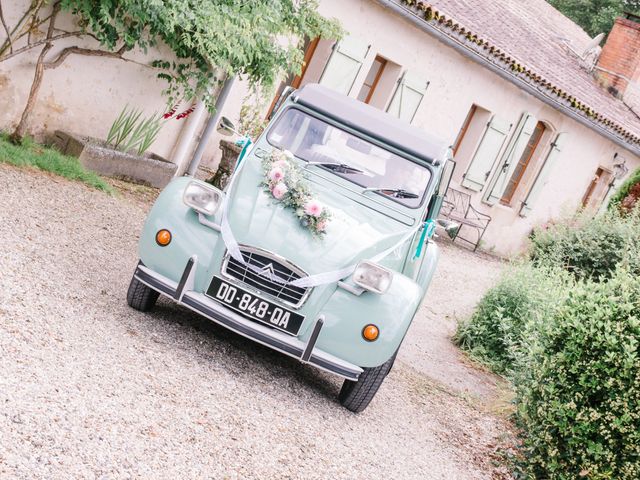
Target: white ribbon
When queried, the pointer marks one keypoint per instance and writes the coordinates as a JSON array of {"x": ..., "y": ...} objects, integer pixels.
[{"x": 311, "y": 281}]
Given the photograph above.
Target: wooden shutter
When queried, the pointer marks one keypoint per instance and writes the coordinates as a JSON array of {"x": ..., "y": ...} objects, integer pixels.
[
  {"x": 510, "y": 159},
  {"x": 543, "y": 174},
  {"x": 408, "y": 96},
  {"x": 486, "y": 154},
  {"x": 344, "y": 64}
]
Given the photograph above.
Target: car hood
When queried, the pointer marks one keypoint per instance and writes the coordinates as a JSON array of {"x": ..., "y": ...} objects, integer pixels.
[{"x": 355, "y": 232}]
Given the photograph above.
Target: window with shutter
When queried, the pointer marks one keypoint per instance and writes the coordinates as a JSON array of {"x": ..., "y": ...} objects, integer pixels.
[
  {"x": 344, "y": 64},
  {"x": 543, "y": 175},
  {"x": 597, "y": 189},
  {"x": 512, "y": 158},
  {"x": 486, "y": 154},
  {"x": 408, "y": 96}
]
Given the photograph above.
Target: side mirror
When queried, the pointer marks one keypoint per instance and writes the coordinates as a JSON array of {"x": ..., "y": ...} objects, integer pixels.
[
  {"x": 226, "y": 127},
  {"x": 452, "y": 228}
]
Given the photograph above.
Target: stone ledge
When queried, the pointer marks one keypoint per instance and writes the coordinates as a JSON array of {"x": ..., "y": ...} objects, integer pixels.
[{"x": 96, "y": 156}]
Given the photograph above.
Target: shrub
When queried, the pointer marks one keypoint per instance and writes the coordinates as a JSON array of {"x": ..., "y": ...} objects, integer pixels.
[
  {"x": 579, "y": 402},
  {"x": 585, "y": 246},
  {"x": 626, "y": 198},
  {"x": 510, "y": 313}
]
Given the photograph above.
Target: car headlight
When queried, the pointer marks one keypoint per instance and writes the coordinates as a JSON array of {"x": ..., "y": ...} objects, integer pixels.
[
  {"x": 372, "y": 277},
  {"x": 202, "y": 198}
]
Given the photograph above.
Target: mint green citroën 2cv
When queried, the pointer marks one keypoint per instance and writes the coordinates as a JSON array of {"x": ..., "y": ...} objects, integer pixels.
[{"x": 321, "y": 245}]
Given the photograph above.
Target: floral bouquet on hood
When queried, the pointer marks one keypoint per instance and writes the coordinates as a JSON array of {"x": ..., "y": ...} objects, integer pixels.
[{"x": 283, "y": 180}]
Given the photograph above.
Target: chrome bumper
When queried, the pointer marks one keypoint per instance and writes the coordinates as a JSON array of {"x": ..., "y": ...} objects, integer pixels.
[{"x": 305, "y": 352}]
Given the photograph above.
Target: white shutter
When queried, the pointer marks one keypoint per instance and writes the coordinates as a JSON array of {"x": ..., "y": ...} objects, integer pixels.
[
  {"x": 510, "y": 159},
  {"x": 344, "y": 64},
  {"x": 485, "y": 155},
  {"x": 408, "y": 96},
  {"x": 543, "y": 174}
]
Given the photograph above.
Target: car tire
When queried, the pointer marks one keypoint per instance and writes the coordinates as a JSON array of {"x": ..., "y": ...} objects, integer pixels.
[
  {"x": 356, "y": 396},
  {"x": 141, "y": 297}
]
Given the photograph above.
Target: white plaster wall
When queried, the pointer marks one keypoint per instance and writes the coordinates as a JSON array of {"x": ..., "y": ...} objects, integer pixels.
[{"x": 455, "y": 84}]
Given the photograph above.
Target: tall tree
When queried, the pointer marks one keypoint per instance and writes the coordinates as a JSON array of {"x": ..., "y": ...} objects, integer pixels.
[
  {"x": 255, "y": 38},
  {"x": 595, "y": 16}
]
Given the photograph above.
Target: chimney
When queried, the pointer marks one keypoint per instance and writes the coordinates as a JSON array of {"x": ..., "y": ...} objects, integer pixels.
[{"x": 618, "y": 67}]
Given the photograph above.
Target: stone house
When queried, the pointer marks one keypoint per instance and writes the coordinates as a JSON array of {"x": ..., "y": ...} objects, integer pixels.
[{"x": 541, "y": 121}]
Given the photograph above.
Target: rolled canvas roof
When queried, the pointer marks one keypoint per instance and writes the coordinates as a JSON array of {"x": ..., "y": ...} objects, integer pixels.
[{"x": 372, "y": 121}]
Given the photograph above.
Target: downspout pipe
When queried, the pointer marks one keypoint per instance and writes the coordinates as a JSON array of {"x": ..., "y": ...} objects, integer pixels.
[
  {"x": 416, "y": 20},
  {"x": 210, "y": 126}
]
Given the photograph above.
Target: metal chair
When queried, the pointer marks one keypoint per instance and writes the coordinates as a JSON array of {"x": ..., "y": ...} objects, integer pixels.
[{"x": 457, "y": 207}]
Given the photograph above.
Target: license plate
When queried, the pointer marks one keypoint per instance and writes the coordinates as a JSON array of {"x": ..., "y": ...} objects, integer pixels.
[{"x": 254, "y": 307}]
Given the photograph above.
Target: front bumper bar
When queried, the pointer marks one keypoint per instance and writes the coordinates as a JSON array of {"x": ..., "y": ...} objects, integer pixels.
[{"x": 200, "y": 303}]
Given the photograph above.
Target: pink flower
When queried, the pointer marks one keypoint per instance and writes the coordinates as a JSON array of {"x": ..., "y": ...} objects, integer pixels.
[
  {"x": 279, "y": 190},
  {"x": 321, "y": 226},
  {"x": 276, "y": 174},
  {"x": 313, "y": 208},
  {"x": 280, "y": 164}
]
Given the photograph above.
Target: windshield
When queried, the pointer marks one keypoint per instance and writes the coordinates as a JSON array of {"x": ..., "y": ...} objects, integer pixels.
[{"x": 350, "y": 157}]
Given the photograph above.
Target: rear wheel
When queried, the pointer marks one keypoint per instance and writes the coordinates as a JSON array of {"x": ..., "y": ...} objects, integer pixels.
[
  {"x": 141, "y": 297},
  {"x": 356, "y": 396}
]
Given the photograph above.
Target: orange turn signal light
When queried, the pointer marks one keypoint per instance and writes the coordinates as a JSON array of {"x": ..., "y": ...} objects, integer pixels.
[
  {"x": 370, "y": 333},
  {"x": 163, "y": 237}
]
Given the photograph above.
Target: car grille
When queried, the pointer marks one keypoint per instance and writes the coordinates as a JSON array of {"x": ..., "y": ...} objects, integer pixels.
[{"x": 268, "y": 274}]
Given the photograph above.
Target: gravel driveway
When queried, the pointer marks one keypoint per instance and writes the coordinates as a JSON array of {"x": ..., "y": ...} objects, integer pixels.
[{"x": 90, "y": 388}]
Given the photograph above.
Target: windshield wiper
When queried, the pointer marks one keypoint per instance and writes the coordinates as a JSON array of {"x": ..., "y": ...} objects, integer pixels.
[
  {"x": 337, "y": 167},
  {"x": 392, "y": 192}
]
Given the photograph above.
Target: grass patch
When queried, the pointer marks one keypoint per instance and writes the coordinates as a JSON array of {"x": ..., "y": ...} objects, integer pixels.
[{"x": 31, "y": 154}]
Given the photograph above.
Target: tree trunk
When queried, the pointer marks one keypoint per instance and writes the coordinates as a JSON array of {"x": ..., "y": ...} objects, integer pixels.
[{"x": 21, "y": 129}]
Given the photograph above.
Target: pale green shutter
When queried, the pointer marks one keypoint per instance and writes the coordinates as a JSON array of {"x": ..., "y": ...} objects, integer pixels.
[
  {"x": 485, "y": 156},
  {"x": 408, "y": 96},
  {"x": 510, "y": 159},
  {"x": 543, "y": 174},
  {"x": 343, "y": 66}
]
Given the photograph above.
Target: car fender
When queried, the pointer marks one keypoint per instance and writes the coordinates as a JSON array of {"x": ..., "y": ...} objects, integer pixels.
[
  {"x": 188, "y": 237},
  {"x": 346, "y": 315}
]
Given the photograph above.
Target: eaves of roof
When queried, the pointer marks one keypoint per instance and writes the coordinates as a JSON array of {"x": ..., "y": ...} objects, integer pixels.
[{"x": 473, "y": 46}]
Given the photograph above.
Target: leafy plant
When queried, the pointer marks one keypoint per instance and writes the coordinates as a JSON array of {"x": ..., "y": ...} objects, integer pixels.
[
  {"x": 627, "y": 196},
  {"x": 509, "y": 315},
  {"x": 131, "y": 131},
  {"x": 579, "y": 402},
  {"x": 585, "y": 246},
  {"x": 210, "y": 39},
  {"x": 122, "y": 126},
  {"x": 595, "y": 16},
  {"x": 252, "y": 120},
  {"x": 565, "y": 329}
]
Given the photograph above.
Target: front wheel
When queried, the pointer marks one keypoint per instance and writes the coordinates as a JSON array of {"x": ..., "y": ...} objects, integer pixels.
[
  {"x": 141, "y": 297},
  {"x": 356, "y": 396}
]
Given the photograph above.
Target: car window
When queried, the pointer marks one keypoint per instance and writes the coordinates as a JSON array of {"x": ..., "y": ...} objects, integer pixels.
[{"x": 314, "y": 140}]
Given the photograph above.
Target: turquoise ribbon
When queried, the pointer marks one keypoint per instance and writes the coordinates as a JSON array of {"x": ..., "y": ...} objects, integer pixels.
[
  {"x": 428, "y": 230},
  {"x": 246, "y": 143}
]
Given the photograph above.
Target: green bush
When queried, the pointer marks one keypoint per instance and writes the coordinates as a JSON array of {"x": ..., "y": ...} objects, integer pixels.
[
  {"x": 624, "y": 190},
  {"x": 579, "y": 400},
  {"x": 510, "y": 313},
  {"x": 587, "y": 247}
]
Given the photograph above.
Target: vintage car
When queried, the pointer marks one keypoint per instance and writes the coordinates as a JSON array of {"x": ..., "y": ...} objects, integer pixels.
[{"x": 320, "y": 246}]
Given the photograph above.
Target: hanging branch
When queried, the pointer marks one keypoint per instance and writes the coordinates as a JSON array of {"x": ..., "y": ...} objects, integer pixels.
[
  {"x": 31, "y": 15},
  {"x": 84, "y": 51},
  {"x": 40, "y": 42},
  {"x": 6, "y": 29}
]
